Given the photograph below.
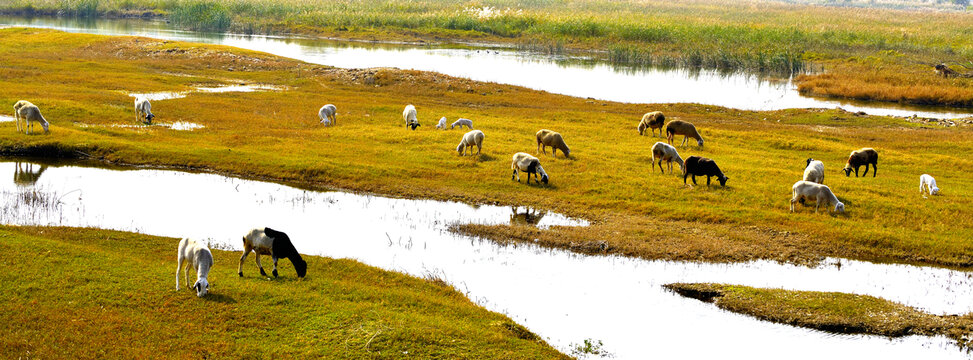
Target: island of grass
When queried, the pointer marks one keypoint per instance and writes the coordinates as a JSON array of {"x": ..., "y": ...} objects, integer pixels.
[
  {"x": 864, "y": 54},
  {"x": 831, "y": 311},
  {"x": 83, "y": 85},
  {"x": 89, "y": 293}
]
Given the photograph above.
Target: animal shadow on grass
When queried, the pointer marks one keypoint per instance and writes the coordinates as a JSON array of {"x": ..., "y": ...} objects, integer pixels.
[
  {"x": 220, "y": 298},
  {"x": 485, "y": 157}
]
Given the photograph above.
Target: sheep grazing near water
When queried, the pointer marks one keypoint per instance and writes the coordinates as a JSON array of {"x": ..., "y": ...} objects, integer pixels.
[
  {"x": 863, "y": 156},
  {"x": 442, "y": 123},
  {"x": 550, "y": 138},
  {"x": 814, "y": 171},
  {"x": 528, "y": 164},
  {"x": 143, "y": 110},
  {"x": 195, "y": 255},
  {"x": 679, "y": 127},
  {"x": 821, "y": 194},
  {"x": 928, "y": 184},
  {"x": 470, "y": 139},
  {"x": 328, "y": 115},
  {"x": 31, "y": 114},
  {"x": 653, "y": 120},
  {"x": 461, "y": 123},
  {"x": 667, "y": 153},
  {"x": 271, "y": 242},
  {"x": 409, "y": 114},
  {"x": 700, "y": 166}
]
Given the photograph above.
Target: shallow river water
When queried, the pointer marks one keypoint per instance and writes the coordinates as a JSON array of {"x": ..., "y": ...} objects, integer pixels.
[
  {"x": 562, "y": 296},
  {"x": 557, "y": 74}
]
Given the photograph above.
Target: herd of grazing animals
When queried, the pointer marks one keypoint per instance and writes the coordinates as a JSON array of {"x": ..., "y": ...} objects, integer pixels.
[{"x": 196, "y": 255}]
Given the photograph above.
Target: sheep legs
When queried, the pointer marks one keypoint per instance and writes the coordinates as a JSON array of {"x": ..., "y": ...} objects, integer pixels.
[
  {"x": 262, "y": 272},
  {"x": 275, "y": 267},
  {"x": 517, "y": 174},
  {"x": 179, "y": 267}
]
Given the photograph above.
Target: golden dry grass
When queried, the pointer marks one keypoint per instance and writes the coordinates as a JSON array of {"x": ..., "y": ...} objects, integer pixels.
[{"x": 80, "y": 82}]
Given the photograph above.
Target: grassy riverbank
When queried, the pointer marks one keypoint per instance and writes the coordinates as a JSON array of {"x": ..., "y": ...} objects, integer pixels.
[
  {"x": 831, "y": 311},
  {"x": 85, "y": 293},
  {"x": 81, "y": 84},
  {"x": 759, "y": 36}
]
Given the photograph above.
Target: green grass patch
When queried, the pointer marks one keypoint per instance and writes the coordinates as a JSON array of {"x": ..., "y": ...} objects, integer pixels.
[{"x": 90, "y": 290}]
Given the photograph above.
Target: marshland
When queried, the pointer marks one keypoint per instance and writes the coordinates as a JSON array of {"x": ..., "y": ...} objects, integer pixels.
[{"x": 416, "y": 252}]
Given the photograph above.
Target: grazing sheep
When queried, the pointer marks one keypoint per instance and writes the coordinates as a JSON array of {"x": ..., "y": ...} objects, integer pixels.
[
  {"x": 700, "y": 166},
  {"x": 470, "y": 139},
  {"x": 547, "y": 138},
  {"x": 409, "y": 114},
  {"x": 821, "y": 194},
  {"x": 928, "y": 183},
  {"x": 679, "y": 127},
  {"x": 17, "y": 118},
  {"x": 863, "y": 156},
  {"x": 271, "y": 242},
  {"x": 442, "y": 123},
  {"x": 462, "y": 122},
  {"x": 30, "y": 113},
  {"x": 653, "y": 120},
  {"x": 143, "y": 110},
  {"x": 814, "y": 171},
  {"x": 196, "y": 255},
  {"x": 667, "y": 153},
  {"x": 528, "y": 164},
  {"x": 328, "y": 115}
]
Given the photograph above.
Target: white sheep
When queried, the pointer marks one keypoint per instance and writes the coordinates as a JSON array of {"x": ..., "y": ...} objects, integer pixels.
[
  {"x": 411, "y": 119},
  {"x": 470, "y": 139},
  {"x": 30, "y": 114},
  {"x": 529, "y": 164},
  {"x": 143, "y": 110},
  {"x": 667, "y": 153},
  {"x": 814, "y": 171},
  {"x": 442, "y": 123},
  {"x": 462, "y": 122},
  {"x": 199, "y": 257},
  {"x": 821, "y": 194},
  {"x": 328, "y": 115},
  {"x": 928, "y": 184}
]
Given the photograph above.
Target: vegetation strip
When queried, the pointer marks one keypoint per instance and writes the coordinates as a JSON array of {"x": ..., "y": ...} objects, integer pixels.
[
  {"x": 866, "y": 54},
  {"x": 82, "y": 82},
  {"x": 91, "y": 290},
  {"x": 831, "y": 311}
]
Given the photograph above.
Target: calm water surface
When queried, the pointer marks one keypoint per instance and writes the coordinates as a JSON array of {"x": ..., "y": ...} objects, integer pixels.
[
  {"x": 562, "y": 296},
  {"x": 556, "y": 74}
]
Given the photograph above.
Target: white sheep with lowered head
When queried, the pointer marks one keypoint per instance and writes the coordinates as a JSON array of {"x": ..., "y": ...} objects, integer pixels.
[
  {"x": 928, "y": 184},
  {"x": 814, "y": 171},
  {"x": 529, "y": 164},
  {"x": 411, "y": 119},
  {"x": 143, "y": 110},
  {"x": 31, "y": 114},
  {"x": 442, "y": 123},
  {"x": 328, "y": 115},
  {"x": 462, "y": 122},
  {"x": 821, "y": 194},
  {"x": 470, "y": 139},
  {"x": 667, "y": 153},
  {"x": 195, "y": 254}
]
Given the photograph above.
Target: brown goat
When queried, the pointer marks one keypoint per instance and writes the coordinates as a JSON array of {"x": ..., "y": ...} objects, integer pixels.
[
  {"x": 550, "y": 138},
  {"x": 653, "y": 120},
  {"x": 688, "y": 130},
  {"x": 863, "y": 156}
]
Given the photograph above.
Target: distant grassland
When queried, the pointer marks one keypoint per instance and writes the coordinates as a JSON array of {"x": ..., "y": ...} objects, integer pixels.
[
  {"x": 98, "y": 294},
  {"x": 81, "y": 83}
]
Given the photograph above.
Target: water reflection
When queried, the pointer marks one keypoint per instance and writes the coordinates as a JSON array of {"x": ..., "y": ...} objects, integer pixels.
[
  {"x": 562, "y": 296},
  {"x": 557, "y": 74},
  {"x": 25, "y": 173},
  {"x": 529, "y": 216}
]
